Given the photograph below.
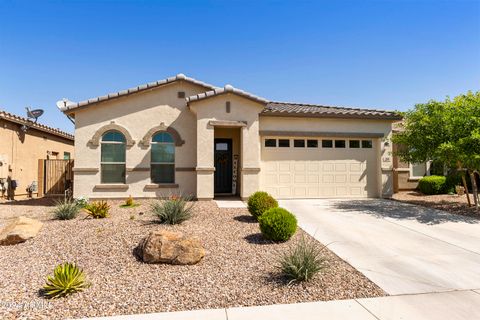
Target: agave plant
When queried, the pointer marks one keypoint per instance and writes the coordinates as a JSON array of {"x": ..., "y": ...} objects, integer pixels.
[
  {"x": 67, "y": 278},
  {"x": 97, "y": 210}
]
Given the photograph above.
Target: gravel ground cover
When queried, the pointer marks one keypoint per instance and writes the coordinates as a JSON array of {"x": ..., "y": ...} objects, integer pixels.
[
  {"x": 451, "y": 203},
  {"x": 238, "y": 269}
]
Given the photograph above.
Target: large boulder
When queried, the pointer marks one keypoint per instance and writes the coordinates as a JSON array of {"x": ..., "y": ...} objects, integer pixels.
[
  {"x": 20, "y": 230},
  {"x": 171, "y": 247}
]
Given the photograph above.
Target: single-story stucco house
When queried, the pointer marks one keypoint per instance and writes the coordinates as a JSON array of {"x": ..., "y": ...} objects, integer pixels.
[{"x": 183, "y": 135}]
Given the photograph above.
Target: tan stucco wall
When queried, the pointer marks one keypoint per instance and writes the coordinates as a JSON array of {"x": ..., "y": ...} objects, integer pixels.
[
  {"x": 22, "y": 152},
  {"x": 308, "y": 125},
  {"x": 138, "y": 113},
  {"x": 241, "y": 109}
]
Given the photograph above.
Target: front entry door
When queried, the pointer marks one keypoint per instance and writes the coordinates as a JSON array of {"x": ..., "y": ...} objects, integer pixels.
[{"x": 223, "y": 165}]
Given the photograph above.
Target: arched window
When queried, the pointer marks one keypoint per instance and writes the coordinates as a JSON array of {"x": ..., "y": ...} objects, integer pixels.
[
  {"x": 163, "y": 158},
  {"x": 112, "y": 163}
]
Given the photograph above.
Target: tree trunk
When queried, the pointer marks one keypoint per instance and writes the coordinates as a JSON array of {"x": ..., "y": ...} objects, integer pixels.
[
  {"x": 466, "y": 190},
  {"x": 474, "y": 188}
]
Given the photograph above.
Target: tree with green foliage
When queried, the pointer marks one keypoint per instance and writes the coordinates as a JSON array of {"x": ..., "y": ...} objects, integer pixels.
[{"x": 447, "y": 131}]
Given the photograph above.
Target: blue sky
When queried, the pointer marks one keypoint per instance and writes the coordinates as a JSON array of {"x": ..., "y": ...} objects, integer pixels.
[{"x": 372, "y": 54}]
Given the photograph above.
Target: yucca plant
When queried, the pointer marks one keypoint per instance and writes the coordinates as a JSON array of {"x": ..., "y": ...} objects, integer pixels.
[
  {"x": 65, "y": 210},
  {"x": 173, "y": 210},
  {"x": 302, "y": 261},
  {"x": 97, "y": 209},
  {"x": 67, "y": 278}
]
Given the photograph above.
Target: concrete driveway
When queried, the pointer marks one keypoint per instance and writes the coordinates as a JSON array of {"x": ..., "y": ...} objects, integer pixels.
[{"x": 404, "y": 249}]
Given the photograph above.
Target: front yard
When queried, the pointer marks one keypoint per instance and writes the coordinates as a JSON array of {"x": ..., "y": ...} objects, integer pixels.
[{"x": 238, "y": 268}]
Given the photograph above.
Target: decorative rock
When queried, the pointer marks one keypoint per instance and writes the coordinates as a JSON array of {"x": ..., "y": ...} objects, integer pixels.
[
  {"x": 171, "y": 247},
  {"x": 20, "y": 230}
]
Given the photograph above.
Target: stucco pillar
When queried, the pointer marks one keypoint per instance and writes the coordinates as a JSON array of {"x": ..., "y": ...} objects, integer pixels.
[
  {"x": 250, "y": 172},
  {"x": 386, "y": 166},
  {"x": 205, "y": 160}
]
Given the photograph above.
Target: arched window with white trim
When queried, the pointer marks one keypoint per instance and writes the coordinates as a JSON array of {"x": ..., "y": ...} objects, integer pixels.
[
  {"x": 113, "y": 154},
  {"x": 162, "y": 161}
]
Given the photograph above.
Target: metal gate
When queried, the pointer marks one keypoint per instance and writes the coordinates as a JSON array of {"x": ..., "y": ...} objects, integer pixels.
[{"x": 55, "y": 177}]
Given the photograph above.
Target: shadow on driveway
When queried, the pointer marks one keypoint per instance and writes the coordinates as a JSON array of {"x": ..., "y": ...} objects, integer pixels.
[{"x": 401, "y": 211}]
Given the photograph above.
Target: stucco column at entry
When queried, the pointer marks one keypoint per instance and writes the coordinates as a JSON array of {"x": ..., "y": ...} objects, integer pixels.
[
  {"x": 205, "y": 165},
  {"x": 250, "y": 155}
]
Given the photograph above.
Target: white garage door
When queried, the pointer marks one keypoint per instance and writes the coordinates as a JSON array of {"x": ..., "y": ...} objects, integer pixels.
[{"x": 316, "y": 168}]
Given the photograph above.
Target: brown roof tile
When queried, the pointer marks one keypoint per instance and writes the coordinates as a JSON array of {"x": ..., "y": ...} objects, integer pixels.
[
  {"x": 24, "y": 121},
  {"x": 288, "y": 109}
]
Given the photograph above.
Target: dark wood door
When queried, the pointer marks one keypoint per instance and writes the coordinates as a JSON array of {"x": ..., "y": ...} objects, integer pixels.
[{"x": 223, "y": 165}]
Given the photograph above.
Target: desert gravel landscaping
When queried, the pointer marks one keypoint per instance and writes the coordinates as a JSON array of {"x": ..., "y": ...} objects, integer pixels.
[
  {"x": 238, "y": 269},
  {"x": 448, "y": 202}
]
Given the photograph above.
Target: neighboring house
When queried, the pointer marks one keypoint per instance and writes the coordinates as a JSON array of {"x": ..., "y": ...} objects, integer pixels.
[
  {"x": 23, "y": 143},
  {"x": 182, "y": 135},
  {"x": 406, "y": 175}
]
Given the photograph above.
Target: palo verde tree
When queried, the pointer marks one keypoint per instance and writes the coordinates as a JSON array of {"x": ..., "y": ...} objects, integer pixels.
[{"x": 448, "y": 131}]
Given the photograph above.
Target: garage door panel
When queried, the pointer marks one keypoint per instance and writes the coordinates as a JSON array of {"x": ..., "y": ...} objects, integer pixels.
[
  {"x": 319, "y": 173},
  {"x": 284, "y": 178},
  {"x": 300, "y": 178}
]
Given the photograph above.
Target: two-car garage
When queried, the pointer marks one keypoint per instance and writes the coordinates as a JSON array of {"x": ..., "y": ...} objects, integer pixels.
[{"x": 309, "y": 167}]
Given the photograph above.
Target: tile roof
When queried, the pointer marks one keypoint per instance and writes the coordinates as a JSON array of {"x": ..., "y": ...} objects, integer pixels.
[
  {"x": 288, "y": 109},
  {"x": 271, "y": 108},
  {"x": 38, "y": 126},
  {"x": 227, "y": 89},
  {"x": 179, "y": 77}
]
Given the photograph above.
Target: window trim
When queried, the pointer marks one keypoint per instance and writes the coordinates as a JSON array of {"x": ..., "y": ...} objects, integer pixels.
[
  {"x": 173, "y": 143},
  {"x": 124, "y": 163}
]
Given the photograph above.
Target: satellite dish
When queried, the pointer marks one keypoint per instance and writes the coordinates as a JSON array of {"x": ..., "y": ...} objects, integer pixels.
[
  {"x": 64, "y": 103},
  {"x": 34, "y": 114}
]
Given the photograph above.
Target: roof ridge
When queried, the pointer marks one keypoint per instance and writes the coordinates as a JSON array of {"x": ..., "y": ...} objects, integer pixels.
[
  {"x": 139, "y": 88},
  {"x": 11, "y": 116},
  {"x": 228, "y": 88},
  {"x": 329, "y": 106}
]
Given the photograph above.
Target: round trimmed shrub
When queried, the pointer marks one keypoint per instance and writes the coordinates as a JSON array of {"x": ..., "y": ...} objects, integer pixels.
[
  {"x": 259, "y": 202},
  {"x": 278, "y": 224},
  {"x": 432, "y": 185}
]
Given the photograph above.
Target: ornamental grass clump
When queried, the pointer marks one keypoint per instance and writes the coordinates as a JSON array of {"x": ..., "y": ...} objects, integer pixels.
[
  {"x": 65, "y": 210},
  {"x": 259, "y": 202},
  {"x": 97, "y": 209},
  {"x": 278, "y": 224},
  {"x": 302, "y": 261},
  {"x": 173, "y": 210},
  {"x": 67, "y": 278}
]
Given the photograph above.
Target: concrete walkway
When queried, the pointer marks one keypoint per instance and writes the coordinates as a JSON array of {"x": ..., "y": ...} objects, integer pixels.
[
  {"x": 455, "y": 305},
  {"x": 404, "y": 249}
]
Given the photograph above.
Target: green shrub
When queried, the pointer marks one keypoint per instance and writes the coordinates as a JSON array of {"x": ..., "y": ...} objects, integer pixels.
[
  {"x": 97, "y": 210},
  {"x": 81, "y": 202},
  {"x": 173, "y": 210},
  {"x": 277, "y": 224},
  {"x": 432, "y": 185},
  {"x": 302, "y": 260},
  {"x": 67, "y": 279},
  {"x": 65, "y": 210},
  {"x": 259, "y": 202}
]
